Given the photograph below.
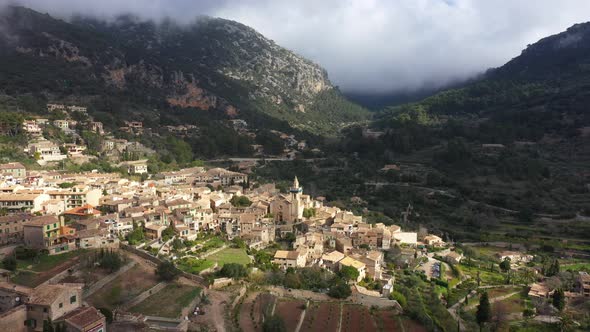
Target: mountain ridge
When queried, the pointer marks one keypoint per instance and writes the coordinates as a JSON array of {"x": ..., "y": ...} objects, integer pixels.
[{"x": 212, "y": 64}]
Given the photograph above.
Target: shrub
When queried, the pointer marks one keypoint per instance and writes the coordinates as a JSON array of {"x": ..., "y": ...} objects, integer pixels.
[
  {"x": 9, "y": 263},
  {"x": 274, "y": 324},
  {"x": 167, "y": 271},
  {"x": 233, "y": 270},
  {"x": 107, "y": 314},
  {"x": 110, "y": 260},
  {"x": 399, "y": 297},
  {"x": 340, "y": 290}
]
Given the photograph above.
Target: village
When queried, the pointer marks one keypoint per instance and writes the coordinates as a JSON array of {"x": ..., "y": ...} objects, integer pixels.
[
  {"x": 70, "y": 133},
  {"x": 92, "y": 250}
]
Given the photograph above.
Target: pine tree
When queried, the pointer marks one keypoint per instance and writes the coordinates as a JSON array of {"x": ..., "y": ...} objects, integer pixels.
[
  {"x": 559, "y": 299},
  {"x": 484, "y": 311}
]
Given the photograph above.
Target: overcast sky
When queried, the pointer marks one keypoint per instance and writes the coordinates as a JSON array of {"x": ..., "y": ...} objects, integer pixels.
[{"x": 372, "y": 45}]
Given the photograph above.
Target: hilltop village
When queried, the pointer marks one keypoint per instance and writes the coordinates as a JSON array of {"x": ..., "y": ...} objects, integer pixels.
[
  {"x": 56, "y": 213},
  {"x": 70, "y": 133},
  {"x": 207, "y": 247}
]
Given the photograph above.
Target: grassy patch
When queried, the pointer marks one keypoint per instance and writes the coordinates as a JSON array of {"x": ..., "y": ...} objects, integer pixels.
[
  {"x": 576, "y": 267},
  {"x": 488, "y": 251},
  {"x": 32, "y": 273},
  {"x": 194, "y": 265},
  {"x": 486, "y": 276},
  {"x": 230, "y": 255},
  {"x": 168, "y": 302},
  {"x": 47, "y": 262},
  {"x": 26, "y": 278}
]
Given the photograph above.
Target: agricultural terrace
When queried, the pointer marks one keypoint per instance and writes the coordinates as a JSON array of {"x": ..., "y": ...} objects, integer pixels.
[
  {"x": 290, "y": 311},
  {"x": 168, "y": 302},
  {"x": 124, "y": 288},
  {"x": 34, "y": 268}
]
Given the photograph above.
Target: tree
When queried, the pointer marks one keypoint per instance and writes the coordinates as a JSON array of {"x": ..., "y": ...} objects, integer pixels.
[
  {"x": 505, "y": 265},
  {"x": 340, "y": 290},
  {"x": 167, "y": 271},
  {"x": 484, "y": 310},
  {"x": 9, "y": 263},
  {"x": 559, "y": 299},
  {"x": 109, "y": 260},
  {"x": 290, "y": 237},
  {"x": 309, "y": 213},
  {"x": 168, "y": 233},
  {"x": 274, "y": 324},
  {"x": 180, "y": 150},
  {"x": 525, "y": 216},
  {"x": 349, "y": 273},
  {"x": 399, "y": 297},
  {"x": 136, "y": 236},
  {"x": 233, "y": 270},
  {"x": 177, "y": 244},
  {"x": 553, "y": 269},
  {"x": 240, "y": 201}
]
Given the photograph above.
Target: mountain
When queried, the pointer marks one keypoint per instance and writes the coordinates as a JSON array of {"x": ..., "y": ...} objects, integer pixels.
[
  {"x": 548, "y": 78},
  {"x": 212, "y": 65},
  {"x": 517, "y": 139}
]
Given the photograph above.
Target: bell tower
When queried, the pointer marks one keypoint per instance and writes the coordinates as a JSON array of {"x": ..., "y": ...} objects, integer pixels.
[{"x": 296, "y": 191}]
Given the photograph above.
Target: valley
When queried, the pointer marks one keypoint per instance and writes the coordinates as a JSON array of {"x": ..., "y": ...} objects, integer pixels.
[{"x": 200, "y": 177}]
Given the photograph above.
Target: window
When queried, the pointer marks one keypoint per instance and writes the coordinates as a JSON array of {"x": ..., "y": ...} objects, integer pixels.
[
  {"x": 73, "y": 299},
  {"x": 61, "y": 305},
  {"x": 44, "y": 309}
]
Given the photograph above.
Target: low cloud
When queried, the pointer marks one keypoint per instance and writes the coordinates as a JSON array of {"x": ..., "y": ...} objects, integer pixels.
[{"x": 372, "y": 45}]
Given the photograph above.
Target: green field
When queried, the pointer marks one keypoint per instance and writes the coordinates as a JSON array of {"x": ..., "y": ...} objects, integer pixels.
[
  {"x": 230, "y": 255},
  {"x": 576, "y": 267},
  {"x": 487, "y": 277},
  {"x": 47, "y": 262},
  {"x": 194, "y": 265},
  {"x": 33, "y": 272},
  {"x": 168, "y": 302}
]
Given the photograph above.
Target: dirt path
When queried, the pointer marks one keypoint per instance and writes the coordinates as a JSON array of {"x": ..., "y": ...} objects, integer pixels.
[
  {"x": 215, "y": 311},
  {"x": 302, "y": 317},
  {"x": 492, "y": 300}
]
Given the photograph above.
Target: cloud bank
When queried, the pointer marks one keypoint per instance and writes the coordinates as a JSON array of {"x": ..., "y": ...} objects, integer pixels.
[{"x": 372, "y": 45}]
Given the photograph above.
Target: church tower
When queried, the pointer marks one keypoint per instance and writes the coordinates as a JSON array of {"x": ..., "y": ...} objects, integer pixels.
[{"x": 296, "y": 191}]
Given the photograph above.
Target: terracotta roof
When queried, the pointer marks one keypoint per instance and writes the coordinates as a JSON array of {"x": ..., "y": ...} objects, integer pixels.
[
  {"x": 286, "y": 254},
  {"x": 16, "y": 217},
  {"x": 46, "y": 294},
  {"x": 42, "y": 221},
  {"x": 84, "y": 210},
  {"x": 12, "y": 166},
  {"x": 83, "y": 316},
  {"x": 18, "y": 197}
]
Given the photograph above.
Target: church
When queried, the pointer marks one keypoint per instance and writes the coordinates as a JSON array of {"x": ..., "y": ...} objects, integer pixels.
[{"x": 288, "y": 208}]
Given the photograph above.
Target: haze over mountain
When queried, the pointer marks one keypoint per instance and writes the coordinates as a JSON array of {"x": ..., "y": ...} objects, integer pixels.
[{"x": 372, "y": 46}]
